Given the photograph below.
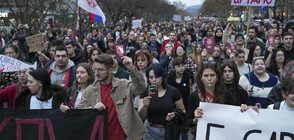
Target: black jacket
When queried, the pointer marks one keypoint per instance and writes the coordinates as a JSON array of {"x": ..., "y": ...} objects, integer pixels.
[
  {"x": 22, "y": 99},
  {"x": 275, "y": 95},
  {"x": 158, "y": 45},
  {"x": 79, "y": 58},
  {"x": 173, "y": 128},
  {"x": 183, "y": 86}
]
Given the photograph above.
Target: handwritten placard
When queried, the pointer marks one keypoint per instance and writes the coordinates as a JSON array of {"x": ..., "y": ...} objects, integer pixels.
[{"x": 35, "y": 42}]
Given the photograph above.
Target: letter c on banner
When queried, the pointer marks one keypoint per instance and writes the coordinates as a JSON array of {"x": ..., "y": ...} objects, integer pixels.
[{"x": 251, "y": 131}]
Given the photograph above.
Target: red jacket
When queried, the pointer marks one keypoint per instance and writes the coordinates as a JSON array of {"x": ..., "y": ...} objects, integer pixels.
[
  {"x": 8, "y": 95},
  {"x": 166, "y": 41}
]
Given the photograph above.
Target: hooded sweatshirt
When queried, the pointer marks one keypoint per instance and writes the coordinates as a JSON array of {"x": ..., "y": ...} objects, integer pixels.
[
  {"x": 79, "y": 58},
  {"x": 61, "y": 77}
]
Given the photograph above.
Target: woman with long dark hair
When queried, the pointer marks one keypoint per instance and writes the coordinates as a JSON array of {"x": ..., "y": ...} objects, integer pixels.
[
  {"x": 231, "y": 78},
  {"x": 40, "y": 94},
  {"x": 210, "y": 88}
]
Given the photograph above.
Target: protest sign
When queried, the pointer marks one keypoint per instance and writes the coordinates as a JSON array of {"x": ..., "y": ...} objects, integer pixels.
[
  {"x": 253, "y": 2},
  {"x": 225, "y": 122},
  {"x": 9, "y": 64},
  {"x": 76, "y": 124},
  {"x": 209, "y": 45},
  {"x": 177, "y": 18},
  {"x": 187, "y": 18},
  {"x": 234, "y": 49},
  {"x": 271, "y": 41},
  {"x": 36, "y": 42},
  {"x": 137, "y": 24}
]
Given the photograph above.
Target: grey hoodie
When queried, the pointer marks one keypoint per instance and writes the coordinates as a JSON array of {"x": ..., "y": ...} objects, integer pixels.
[{"x": 58, "y": 76}]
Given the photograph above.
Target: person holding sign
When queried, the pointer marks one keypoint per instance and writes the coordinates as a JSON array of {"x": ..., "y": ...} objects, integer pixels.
[
  {"x": 40, "y": 94},
  {"x": 9, "y": 78},
  {"x": 158, "y": 104},
  {"x": 258, "y": 83},
  {"x": 210, "y": 88},
  {"x": 9, "y": 93},
  {"x": 117, "y": 95}
]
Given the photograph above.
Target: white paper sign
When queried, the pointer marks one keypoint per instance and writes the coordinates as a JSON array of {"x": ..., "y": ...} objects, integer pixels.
[
  {"x": 9, "y": 64},
  {"x": 253, "y": 2},
  {"x": 187, "y": 18},
  {"x": 225, "y": 122},
  {"x": 177, "y": 18},
  {"x": 136, "y": 23}
]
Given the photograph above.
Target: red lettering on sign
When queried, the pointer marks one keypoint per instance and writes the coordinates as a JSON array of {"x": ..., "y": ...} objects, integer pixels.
[
  {"x": 268, "y": 1},
  {"x": 4, "y": 123},
  {"x": 39, "y": 122},
  {"x": 99, "y": 122},
  {"x": 256, "y": 1}
]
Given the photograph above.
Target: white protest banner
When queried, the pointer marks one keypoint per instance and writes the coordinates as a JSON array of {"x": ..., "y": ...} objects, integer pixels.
[
  {"x": 187, "y": 18},
  {"x": 136, "y": 23},
  {"x": 9, "y": 64},
  {"x": 35, "y": 42},
  {"x": 177, "y": 18},
  {"x": 225, "y": 122},
  {"x": 253, "y": 2}
]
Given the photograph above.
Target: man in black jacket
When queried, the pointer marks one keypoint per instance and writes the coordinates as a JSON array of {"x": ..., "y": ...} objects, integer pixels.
[
  {"x": 75, "y": 54},
  {"x": 154, "y": 45}
]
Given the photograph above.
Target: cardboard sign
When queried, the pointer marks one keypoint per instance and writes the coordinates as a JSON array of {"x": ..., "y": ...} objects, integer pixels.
[
  {"x": 253, "y": 2},
  {"x": 226, "y": 122},
  {"x": 36, "y": 42},
  {"x": 9, "y": 64},
  {"x": 136, "y": 24},
  {"x": 271, "y": 41},
  {"x": 76, "y": 124},
  {"x": 209, "y": 45},
  {"x": 119, "y": 52}
]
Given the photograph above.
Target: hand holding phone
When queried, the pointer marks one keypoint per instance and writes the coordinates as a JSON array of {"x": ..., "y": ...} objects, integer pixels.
[{"x": 153, "y": 91}]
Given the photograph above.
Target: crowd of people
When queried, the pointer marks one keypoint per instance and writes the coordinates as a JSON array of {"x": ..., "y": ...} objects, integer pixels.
[{"x": 185, "y": 63}]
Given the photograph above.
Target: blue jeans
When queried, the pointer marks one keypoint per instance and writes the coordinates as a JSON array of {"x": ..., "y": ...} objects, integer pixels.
[{"x": 154, "y": 133}]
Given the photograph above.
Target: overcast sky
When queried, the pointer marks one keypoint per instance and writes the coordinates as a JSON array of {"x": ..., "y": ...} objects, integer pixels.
[{"x": 190, "y": 2}]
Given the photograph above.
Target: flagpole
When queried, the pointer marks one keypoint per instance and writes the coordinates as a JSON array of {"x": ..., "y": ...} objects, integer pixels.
[{"x": 248, "y": 24}]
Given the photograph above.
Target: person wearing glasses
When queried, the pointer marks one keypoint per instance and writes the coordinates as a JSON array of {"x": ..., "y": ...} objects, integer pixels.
[
  {"x": 181, "y": 53},
  {"x": 231, "y": 78},
  {"x": 117, "y": 95},
  {"x": 275, "y": 63},
  {"x": 258, "y": 83},
  {"x": 210, "y": 88}
]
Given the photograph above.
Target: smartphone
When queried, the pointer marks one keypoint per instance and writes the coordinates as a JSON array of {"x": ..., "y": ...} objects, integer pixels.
[
  {"x": 51, "y": 22},
  {"x": 119, "y": 52},
  {"x": 153, "y": 91}
]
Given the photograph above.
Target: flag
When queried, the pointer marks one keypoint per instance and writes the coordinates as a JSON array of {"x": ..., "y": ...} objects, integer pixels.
[{"x": 95, "y": 11}]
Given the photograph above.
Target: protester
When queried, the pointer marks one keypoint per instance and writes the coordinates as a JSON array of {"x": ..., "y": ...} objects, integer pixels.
[
  {"x": 288, "y": 46},
  {"x": 118, "y": 72},
  {"x": 40, "y": 94},
  {"x": 196, "y": 56},
  {"x": 254, "y": 51},
  {"x": 275, "y": 94},
  {"x": 117, "y": 95},
  {"x": 84, "y": 78},
  {"x": 62, "y": 70},
  {"x": 9, "y": 93},
  {"x": 180, "y": 53},
  {"x": 241, "y": 65},
  {"x": 231, "y": 78},
  {"x": 277, "y": 62},
  {"x": 159, "y": 109},
  {"x": 210, "y": 88},
  {"x": 75, "y": 54},
  {"x": 9, "y": 78},
  {"x": 166, "y": 56},
  {"x": 258, "y": 83}
]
